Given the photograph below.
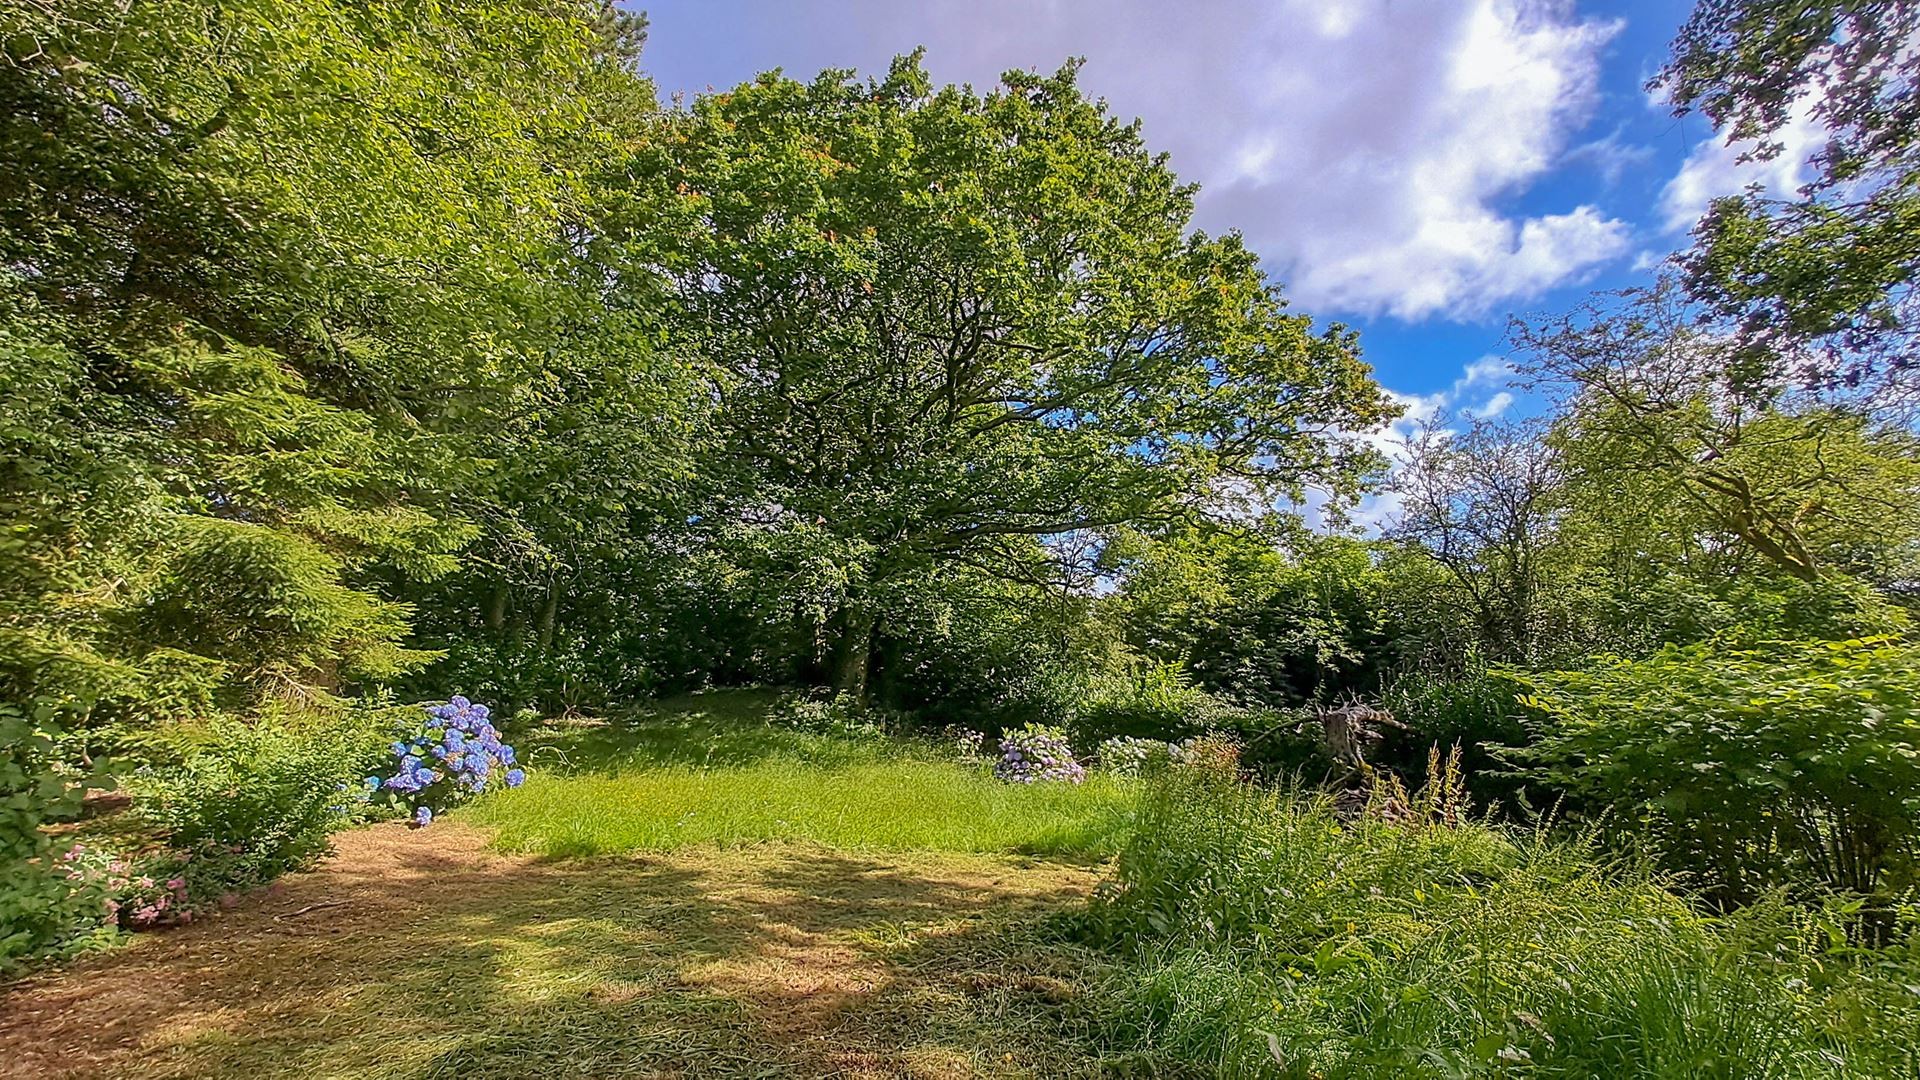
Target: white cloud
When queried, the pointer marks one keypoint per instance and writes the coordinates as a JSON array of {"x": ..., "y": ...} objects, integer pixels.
[
  {"x": 1714, "y": 169},
  {"x": 1490, "y": 408},
  {"x": 1611, "y": 156},
  {"x": 1365, "y": 147},
  {"x": 1482, "y": 392}
]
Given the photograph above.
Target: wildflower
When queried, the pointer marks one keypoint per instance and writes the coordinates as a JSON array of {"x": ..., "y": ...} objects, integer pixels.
[
  {"x": 516, "y": 777},
  {"x": 423, "y": 816}
]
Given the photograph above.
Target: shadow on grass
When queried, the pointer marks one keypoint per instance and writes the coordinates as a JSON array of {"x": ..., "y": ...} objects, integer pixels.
[
  {"x": 422, "y": 955},
  {"x": 718, "y": 728}
]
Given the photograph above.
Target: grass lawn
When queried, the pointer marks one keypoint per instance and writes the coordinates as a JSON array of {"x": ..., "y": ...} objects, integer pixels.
[{"x": 722, "y": 769}]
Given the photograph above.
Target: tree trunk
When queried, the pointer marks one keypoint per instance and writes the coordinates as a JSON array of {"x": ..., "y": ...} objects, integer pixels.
[
  {"x": 549, "y": 616},
  {"x": 497, "y": 608},
  {"x": 853, "y": 653}
]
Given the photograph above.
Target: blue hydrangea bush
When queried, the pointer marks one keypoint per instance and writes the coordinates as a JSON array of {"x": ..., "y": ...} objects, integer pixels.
[
  {"x": 1037, "y": 753},
  {"x": 451, "y": 754}
]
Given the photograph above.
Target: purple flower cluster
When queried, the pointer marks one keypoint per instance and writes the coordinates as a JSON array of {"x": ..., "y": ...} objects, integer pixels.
[
  {"x": 454, "y": 753},
  {"x": 1037, "y": 752}
]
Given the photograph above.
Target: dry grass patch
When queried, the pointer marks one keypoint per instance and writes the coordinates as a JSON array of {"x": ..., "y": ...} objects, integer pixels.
[{"x": 422, "y": 954}]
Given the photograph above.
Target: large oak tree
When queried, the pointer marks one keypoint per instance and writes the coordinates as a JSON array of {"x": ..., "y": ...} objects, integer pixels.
[{"x": 941, "y": 325}]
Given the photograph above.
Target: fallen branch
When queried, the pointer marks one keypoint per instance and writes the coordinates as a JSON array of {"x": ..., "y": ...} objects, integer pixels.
[{"x": 310, "y": 907}]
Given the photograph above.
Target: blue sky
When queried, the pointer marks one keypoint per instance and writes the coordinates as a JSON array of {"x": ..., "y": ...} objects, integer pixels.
[{"x": 1419, "y": 169}]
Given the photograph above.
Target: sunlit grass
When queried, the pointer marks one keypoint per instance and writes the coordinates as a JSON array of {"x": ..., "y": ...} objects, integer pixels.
[
  {"x": 900, "y": 805},
  {"x": 721, "y": 769}
]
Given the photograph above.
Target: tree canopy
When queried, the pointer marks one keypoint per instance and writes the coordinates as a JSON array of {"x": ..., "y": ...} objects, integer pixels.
[{"x": 939, "y": 325}]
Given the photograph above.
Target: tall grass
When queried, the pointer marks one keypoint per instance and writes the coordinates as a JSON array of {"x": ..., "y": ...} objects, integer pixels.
[{"x": 1264, "y": 936}]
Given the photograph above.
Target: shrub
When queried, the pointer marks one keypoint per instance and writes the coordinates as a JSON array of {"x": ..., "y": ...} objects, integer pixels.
[
  {"x": 252, "y": 800},
  {"x": 1476, "y": 711},
  {"x": 1035, "y": 753},
  {"x": 1155, "y": 701},
  {"x": 838, "y": 714},
  {"x": 967, "y": 743},
  {"x": 1261, "y": 935},
  {"x": 132, "y": 895},
  {"x": 38, "y": 910},
  {"x": 1783, "y": 765},
  {"x": 443, "y": 756},
  {"x": 1124, "y": 755}
]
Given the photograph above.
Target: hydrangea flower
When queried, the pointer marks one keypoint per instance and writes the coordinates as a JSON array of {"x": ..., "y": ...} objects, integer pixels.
[
  {"x": 1035, "y": 753},
  {"x": 448, "y": 757},
  {"x": 1125, "y": 755}
]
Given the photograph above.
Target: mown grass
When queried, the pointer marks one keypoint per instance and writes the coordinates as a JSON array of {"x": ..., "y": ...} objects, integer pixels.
[
  {"x": 725, "y": 769},
  {"x": 421, "y": 954}
]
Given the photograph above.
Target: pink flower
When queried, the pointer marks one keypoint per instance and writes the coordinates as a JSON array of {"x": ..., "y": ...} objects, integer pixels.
[
  {"x": 146, "y": 882},
  {"x": 177, "y": 884}
]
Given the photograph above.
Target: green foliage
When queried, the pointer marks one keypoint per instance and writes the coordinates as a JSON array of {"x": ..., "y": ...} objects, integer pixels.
[
  {"x": 38, "y": 908},
  {"x": 248, "y": 801},
  {"x": 1263, "y": 936},
  {"x": 1010, "y": 332},
  {"x": 1476, "y": 711},
  {"x": 1750, "y": 768},
  {"x": 1271, "y": 615},
  {"x": 277, "y": 265},
  {"x": 1820, "y": 286},
  {"x": 1155, "y": 701}
]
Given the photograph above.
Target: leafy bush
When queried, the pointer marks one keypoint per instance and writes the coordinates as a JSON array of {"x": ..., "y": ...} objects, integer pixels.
[
  {"x": 132, "y": 895},
  {"x": 1261, "y": 935},
  {"x": 1145, "y": 701},
  {"x": 1124, "y": 755},
  {"x": 966, "y": 743},
  {"x": 1782, "y": 765},
  {"x": 38, "y": 910},
  {"x": 1278, "y": 744},
  {"x": 836, "y": 714},
  {"x": 1477, "y": 711},
  {"x": 1036, "y": 753},
  {"x": 252, "y": 800},
  {"x": 446, "y": 756}
]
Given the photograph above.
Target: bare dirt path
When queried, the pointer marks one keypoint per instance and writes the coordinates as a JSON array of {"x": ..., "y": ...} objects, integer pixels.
[{"x": 422, "y": 954}]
